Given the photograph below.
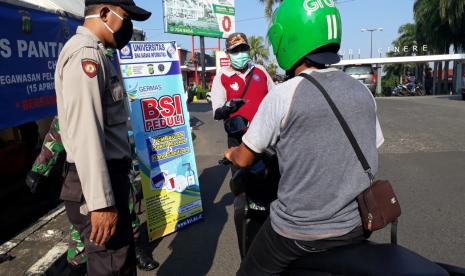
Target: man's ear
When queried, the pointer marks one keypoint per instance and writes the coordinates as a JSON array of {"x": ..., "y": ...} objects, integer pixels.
[{"x": 104, "y": 11}]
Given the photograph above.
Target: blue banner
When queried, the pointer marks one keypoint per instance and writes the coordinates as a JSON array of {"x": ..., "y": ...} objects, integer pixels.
[
  {"x": 160, "y": 122},
  {"x": 30, "y": 42}
]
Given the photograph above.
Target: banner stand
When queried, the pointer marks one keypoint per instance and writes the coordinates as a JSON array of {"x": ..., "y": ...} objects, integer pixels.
[{"x": 152, "y": 78}]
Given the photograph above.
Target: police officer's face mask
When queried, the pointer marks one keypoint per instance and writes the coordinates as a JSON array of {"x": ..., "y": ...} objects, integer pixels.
[{"x": 121, "y": 36}]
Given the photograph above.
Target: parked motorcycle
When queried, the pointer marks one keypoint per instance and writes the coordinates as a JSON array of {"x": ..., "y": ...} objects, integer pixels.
[
  {"x": 411, "y": 89},
  {"x": 258, "y": 187},
  {"x": 252, "y": 202}
]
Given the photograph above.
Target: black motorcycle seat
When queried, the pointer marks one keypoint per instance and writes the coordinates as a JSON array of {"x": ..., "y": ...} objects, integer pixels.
[{"x": 366, "y": 258}]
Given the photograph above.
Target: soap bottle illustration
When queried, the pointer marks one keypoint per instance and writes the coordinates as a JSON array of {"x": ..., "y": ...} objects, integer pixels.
[{"x": 190, "y": 174}]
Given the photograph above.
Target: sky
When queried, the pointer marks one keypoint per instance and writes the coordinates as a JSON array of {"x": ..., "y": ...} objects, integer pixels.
[{"x": 356, "y": 15}]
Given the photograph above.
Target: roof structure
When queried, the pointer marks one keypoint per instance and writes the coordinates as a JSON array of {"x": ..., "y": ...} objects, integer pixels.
[
  {"x": 70, "y": 7},
  {"x": 409, "y": 59}
]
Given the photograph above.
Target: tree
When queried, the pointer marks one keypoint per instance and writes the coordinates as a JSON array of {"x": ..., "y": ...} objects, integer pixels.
[
  {"x": 272, "y": 69},
  {"x": 258, "y": 52},
  {"x": 269, "y": 6},
  {"x": 439, "y": 25},
  {"x": 394, "y": 72},
  {"x": 431, "y": 29},
  {"x": 452, "y": 13},
  {"x": 407, "y": 37}
]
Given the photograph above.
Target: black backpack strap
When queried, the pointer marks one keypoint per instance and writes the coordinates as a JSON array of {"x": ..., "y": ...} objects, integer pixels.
[
  {"x": 343, "y": 123},
  {"x": 247, "y": 84}
]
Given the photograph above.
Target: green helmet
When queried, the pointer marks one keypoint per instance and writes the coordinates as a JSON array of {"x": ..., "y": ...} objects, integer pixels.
[{"x": 301, "y": 26}]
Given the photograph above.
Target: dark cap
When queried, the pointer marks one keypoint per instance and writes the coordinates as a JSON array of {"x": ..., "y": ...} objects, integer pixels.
[
  {"x": 235, "y": 40},
  {"x": 327, "y": 54},
  {"x": 324, "y": 58},
  {"x": 135, "y": 12}
]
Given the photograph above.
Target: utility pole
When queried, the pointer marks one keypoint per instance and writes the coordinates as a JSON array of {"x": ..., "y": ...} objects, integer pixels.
[
  {"x": 202, "y": 61},
  {"x": 371, "y": 37}
]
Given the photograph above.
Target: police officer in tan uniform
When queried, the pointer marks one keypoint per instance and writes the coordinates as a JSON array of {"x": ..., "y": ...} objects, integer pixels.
[{"x": 93, "y": 116}]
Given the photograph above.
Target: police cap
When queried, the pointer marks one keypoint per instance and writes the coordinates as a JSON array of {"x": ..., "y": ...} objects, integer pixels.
[{"x": 135, "y": 12}]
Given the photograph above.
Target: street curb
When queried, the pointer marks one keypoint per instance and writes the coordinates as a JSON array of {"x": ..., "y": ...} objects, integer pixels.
[
  {"x": 54, "y": 261},
  {"x": 14, "y": 242},
  {"x": 200, "y": 102}
]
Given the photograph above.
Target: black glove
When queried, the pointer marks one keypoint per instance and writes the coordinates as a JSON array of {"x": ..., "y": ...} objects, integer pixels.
[
  {"x": 34, "y": 180},
  {"x": 229, "y": 107}
]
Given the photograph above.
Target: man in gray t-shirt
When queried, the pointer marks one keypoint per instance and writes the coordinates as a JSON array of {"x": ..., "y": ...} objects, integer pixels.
[{"x": 320, "y": 172}]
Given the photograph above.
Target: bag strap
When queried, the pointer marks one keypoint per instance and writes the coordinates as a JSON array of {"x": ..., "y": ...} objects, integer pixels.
[
  {"x": 352, "y": 140},
  {"x": 247, "y": 84},
  {"x": 345, "y": 126}
]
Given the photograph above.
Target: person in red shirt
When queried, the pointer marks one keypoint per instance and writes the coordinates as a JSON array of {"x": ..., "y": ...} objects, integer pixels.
[
  {"x": 237, "y": 92},
  {"x": 230, "y": 98}
]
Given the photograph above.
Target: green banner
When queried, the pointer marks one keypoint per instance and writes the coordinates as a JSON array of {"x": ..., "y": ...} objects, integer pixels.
[
  {"x": 210, "y": 18},
  {"x": 224, "y": 10}
]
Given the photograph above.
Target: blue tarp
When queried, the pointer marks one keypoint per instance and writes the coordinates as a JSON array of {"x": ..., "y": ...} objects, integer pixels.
[{"x": 30, "y": 42}]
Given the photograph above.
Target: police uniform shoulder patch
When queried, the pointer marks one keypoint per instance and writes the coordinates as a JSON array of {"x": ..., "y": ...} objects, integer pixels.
[{"x": 90, "y": 67}]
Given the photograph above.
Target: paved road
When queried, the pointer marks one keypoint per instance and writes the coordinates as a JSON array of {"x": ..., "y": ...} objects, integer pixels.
[
  {"x": 424, "y": 156},
  {"x": 208, "y": 247}
]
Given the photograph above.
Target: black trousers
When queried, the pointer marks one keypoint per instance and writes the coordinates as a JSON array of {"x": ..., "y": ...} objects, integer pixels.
[
  {"x": 239, "y": 215},
  {"x": 271, "y": 253},
  {"x": 233, "y": 141},
  {"x": 117, "y": 257}
]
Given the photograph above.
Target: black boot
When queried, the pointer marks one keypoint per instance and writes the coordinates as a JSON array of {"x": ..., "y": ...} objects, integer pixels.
[
  {"x": 144, "y": 260},
  {"x": 77, "y": 270}
]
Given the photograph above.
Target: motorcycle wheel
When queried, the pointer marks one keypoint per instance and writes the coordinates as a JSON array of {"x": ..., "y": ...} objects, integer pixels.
[{"x": 420, "y": 91}]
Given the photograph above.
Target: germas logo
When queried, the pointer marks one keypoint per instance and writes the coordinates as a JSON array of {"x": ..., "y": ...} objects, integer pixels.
[{"x": 162, "y": 113}]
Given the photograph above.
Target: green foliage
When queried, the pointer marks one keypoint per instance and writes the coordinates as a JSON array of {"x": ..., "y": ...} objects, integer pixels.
[
  {"x": 272, "y": 69},
  {"x": 407, "y": 37},
  {"x": 388, "y": 83},
  {"x": 269, "y": 6},
  {"x": 258, "y": 52},
  {"x": 440, "y": 24},
  {"x": 201, "y": 92}
]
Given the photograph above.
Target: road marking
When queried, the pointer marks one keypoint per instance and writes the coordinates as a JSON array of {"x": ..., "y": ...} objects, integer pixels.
[
  {"x": 44, "y": 263},
  {"x": 11, "y": 244}
]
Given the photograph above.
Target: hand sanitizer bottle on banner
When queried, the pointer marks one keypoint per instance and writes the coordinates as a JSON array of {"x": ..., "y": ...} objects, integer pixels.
[{"x": 190, "y": 175}]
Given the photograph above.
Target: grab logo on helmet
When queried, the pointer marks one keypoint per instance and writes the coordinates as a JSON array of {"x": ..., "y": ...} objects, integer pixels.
[{"x": 313, "y": 5}]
